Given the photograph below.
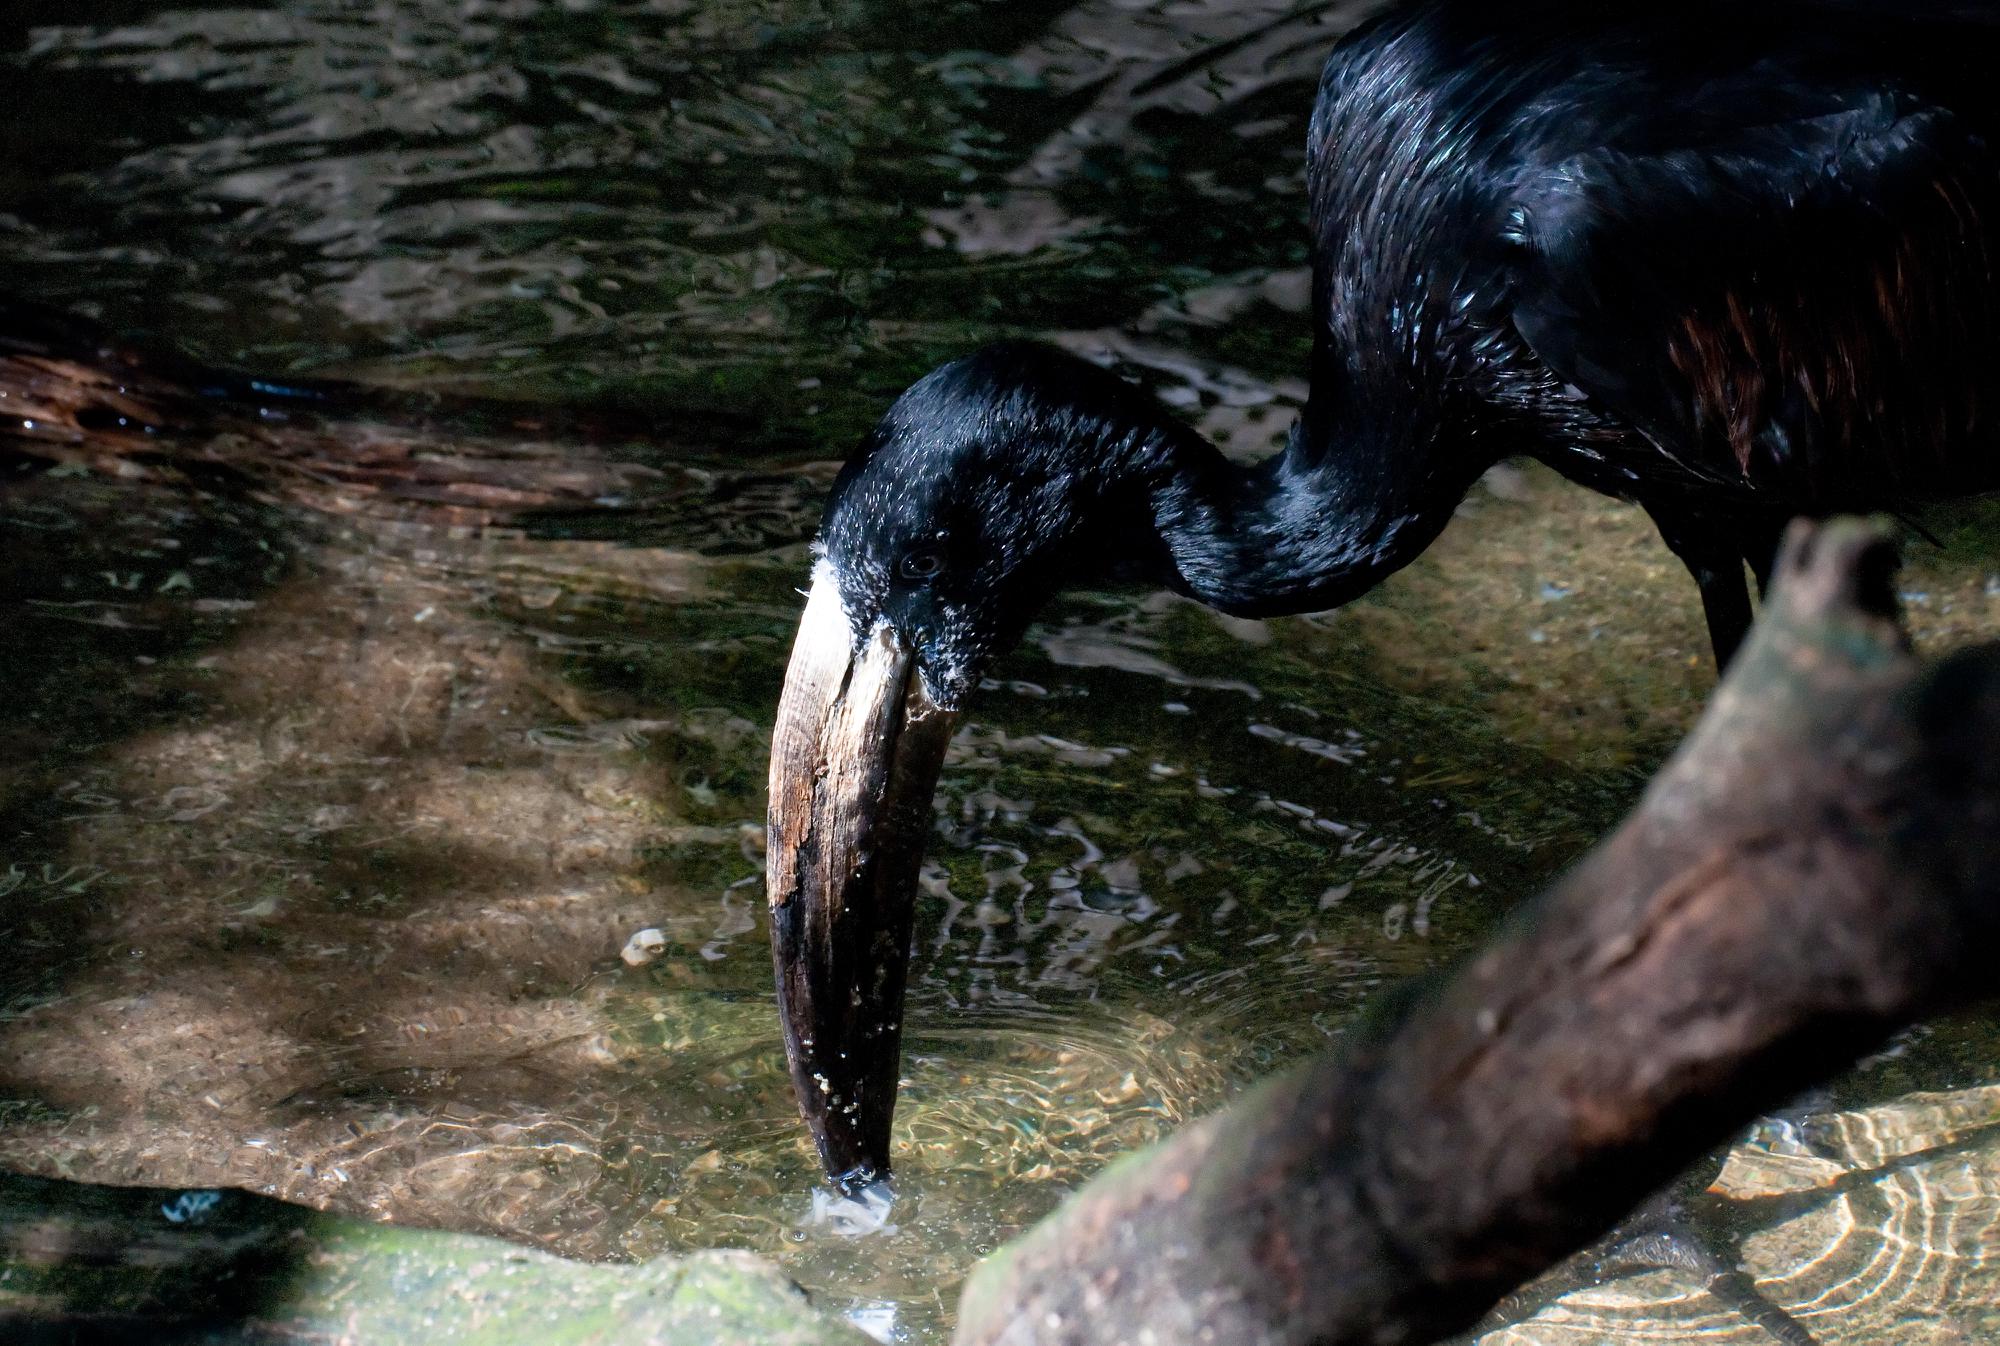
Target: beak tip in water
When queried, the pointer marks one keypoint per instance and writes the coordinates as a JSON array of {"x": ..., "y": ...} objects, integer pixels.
[{"x": 859, "y": 1178}]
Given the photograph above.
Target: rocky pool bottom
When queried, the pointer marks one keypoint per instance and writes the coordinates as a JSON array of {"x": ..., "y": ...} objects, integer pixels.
[{"x": 323, "y": 844}]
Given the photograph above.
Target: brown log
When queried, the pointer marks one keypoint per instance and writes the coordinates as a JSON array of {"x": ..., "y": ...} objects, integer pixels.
[{"x": 1818, "y": 866}]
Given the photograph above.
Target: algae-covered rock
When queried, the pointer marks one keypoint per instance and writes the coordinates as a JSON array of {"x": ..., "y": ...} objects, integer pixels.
[{"x": 83, "y": 1263}]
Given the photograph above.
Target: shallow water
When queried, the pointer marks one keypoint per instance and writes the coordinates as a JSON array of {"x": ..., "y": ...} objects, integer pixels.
[{"x": 322, "y": 840}]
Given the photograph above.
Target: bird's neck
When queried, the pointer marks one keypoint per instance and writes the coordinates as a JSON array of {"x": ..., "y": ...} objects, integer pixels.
[{"x": 1350, "y": 500}]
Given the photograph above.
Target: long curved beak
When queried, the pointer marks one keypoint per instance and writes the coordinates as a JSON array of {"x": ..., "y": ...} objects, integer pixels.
[{"x": 855, "y": 758}]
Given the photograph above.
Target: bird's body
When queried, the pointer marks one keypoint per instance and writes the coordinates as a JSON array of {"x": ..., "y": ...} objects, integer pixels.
[
  {"x": 1732, "y": 259},
  {"x": 1729, "y": 260}
]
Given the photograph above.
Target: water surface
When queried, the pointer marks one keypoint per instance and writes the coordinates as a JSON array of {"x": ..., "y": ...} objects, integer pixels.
[{"x": 320, "y": 839}]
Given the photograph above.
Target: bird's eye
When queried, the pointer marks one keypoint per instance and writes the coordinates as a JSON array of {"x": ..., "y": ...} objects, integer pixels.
[{"x": 922, "y": 565}]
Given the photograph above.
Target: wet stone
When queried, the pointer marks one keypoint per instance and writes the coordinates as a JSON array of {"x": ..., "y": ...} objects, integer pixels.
[{"x": 229, "y": 1269}]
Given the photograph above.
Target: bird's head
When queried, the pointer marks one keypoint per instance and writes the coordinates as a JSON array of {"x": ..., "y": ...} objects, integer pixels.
[{"x": 990, "y": 484}]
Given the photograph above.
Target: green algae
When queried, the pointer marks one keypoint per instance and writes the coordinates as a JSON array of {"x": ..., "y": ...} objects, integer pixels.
[{"x": 79, "y": 1262}]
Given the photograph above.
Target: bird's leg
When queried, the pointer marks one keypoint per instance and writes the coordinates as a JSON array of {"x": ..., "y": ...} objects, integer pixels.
[
  {"x": 1760, "y": 551},
  {"x": 1717, "y": 567},
  {"x": 1679, "y": 1229}
]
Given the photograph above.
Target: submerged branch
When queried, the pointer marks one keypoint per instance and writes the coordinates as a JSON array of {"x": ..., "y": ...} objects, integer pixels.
[
  {"x": 1815, "y": 868},
  {"x": 73, "y": 396}
]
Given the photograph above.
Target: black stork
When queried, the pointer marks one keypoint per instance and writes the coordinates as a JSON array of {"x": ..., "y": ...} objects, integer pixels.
[{"x": 1729, "y": 259}]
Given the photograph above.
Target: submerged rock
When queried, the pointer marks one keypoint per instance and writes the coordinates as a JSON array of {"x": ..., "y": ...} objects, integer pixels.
[{"x": 82, "y": 1263}]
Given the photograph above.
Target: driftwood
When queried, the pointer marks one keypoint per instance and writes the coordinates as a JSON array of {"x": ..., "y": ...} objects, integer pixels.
[{"x": 1816, "y": 867}]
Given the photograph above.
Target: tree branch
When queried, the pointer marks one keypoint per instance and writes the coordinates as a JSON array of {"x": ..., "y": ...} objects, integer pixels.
[{"x": 1816, "y": 867}]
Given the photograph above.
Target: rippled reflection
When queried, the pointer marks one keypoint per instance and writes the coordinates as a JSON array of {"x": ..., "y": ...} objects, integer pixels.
[
  {"x": 685, "y": 203},
  {"x": 1874, "y": 1225}
]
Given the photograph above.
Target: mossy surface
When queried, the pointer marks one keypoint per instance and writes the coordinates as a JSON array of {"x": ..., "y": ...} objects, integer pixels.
[{"x": 232, "y": 1269}]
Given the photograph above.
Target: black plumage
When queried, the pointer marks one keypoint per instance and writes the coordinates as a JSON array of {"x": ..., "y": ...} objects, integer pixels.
[{"x": 1729, "y": 260}]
